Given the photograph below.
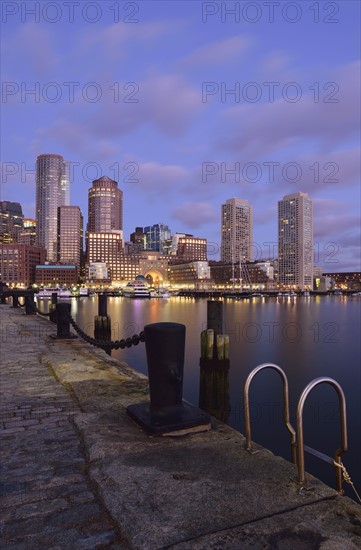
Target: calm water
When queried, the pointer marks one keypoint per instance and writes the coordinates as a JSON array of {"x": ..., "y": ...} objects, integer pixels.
[{"x": 307, "y": 337}]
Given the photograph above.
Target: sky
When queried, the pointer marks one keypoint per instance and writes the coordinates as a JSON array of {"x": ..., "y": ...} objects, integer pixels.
[{"x": 187, "y": 104}]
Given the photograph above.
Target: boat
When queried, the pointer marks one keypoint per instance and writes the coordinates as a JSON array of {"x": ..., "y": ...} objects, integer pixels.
[
  {"x": 159, "y": 293},
  {"x": 137, "y": 288},
  {"x": 306, "y": 293},
  {"x": 47, "y": 292},
  {"x": 64, "y": 293}
]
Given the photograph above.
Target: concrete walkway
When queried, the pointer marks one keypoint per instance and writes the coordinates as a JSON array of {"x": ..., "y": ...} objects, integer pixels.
[{"x": 77, "y": 473}]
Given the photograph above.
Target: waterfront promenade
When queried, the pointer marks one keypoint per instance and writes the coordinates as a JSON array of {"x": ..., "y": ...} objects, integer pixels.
[{"x": 77, "y": 473}]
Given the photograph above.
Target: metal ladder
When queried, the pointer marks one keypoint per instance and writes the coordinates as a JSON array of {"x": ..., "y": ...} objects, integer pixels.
[{"x": 299, "y": 448}]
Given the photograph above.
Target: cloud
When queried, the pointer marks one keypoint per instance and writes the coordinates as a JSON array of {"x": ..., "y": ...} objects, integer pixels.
[
  {"x": 261, "y": 128},
  {"x": 195, "y": 214},
  {"x": 34, "y": 45},
  {"x": 220, "y": 52}
]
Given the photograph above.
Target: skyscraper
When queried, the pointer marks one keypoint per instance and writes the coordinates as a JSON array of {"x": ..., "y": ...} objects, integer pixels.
[
  {"x": 105, "y": 206},
  {"x": 11, "y": 221},
  {"x": 157, "y": 237},
  {"x": 52, "y": 191},
  {"x": 295, "y": 241},
  {"x": 237, "y": 231},
  {"x": 70, "y": 235}
]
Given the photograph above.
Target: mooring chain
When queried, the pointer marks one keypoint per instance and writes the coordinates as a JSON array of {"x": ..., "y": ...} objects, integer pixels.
[
  {"x": 347, "y": 477},
  {"x": 35, "y": 308},
  {"x": 108, "y": 344}
]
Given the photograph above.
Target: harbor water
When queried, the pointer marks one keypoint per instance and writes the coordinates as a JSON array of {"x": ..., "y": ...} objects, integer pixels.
[{"x": 307, "y": 337}]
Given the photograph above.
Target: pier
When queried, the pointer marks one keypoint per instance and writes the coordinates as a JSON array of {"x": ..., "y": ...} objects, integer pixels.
[{"x": 78, "y": 473}]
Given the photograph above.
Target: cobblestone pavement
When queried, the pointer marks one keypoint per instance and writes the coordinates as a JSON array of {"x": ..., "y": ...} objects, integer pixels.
[{"x": 47, "y": 498}]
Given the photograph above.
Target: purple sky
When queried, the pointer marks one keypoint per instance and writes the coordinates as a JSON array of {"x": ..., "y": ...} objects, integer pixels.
[{"x": 147, "y": 101}]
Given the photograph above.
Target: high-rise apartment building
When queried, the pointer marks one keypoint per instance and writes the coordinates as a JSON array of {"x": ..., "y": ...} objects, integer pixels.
[
  {"x": 70, "y": 235},
  {"x": 158, "y": 237},
  {"x": 52, "y": 191},
  {"x": 237, "y": 231},
  {"x": 11, "y": 221},
  {"x": 105, "y": 206},
  {"x": 295, "y": 241}
]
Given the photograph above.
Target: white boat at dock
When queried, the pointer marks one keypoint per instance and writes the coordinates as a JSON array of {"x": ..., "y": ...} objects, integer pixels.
[
  {"x": 47, "y": 292},
  {"x": 137, "y": 288}
]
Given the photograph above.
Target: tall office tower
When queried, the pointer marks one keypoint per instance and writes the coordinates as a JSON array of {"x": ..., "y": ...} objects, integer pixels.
[
  {"x": 52, "y": 191},
  {"x": 106, "y": 247},
  {"x": 158, "y": 237},
  {"x": 65, "y": 182},
  {"x": 11, "y": 221},
  {"x": 295, "y": 241},
  {"x": 105, "y": 206},
  {"x": 237, "y": 231},
  {"x": 70, "y": 235}
]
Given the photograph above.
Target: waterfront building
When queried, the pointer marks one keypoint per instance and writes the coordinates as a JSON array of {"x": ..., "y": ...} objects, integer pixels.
[
  {"x": 18, "y": 261},
  {"x": 28, "y": 234},
  {"x": 236, "y": 231},
  {"x": 349, "y": 280},
  {"x": 98, "y": 272},
  {"x": 105, "y": 206},
  {"x": 56, "y": 275},
  {"x": 154, "y": 266},
  {"x": 106, "y": 247},
  {"x": 157, "y": 238},
  {"x": 192, "y": 274},
  {"x": 70, "y": 235},
  {"x": 11, "y": 221},
  {"x": 187, "y": 248},
  {"x": 52, "y": 191},
  {"x": 295, "y": 241},
  {"x": 251, "y": 276}
]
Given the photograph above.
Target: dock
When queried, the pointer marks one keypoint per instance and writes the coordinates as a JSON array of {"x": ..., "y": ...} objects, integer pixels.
[{"x": 77, "y": 473}]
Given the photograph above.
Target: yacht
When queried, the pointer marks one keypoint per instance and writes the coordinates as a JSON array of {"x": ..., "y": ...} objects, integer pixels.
[
  {"x": 137, "y": 288},
  {"x": 47, "y": 292},
  {"x": 159, "y": 293}
]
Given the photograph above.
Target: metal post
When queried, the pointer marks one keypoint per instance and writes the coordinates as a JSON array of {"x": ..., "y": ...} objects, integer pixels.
[
  {"x": 52, "y": 307},
  {"x": 167, "y": 414},
  {"x": 102, "y": 305},
  {"x": 30, "y": 304},
  {"x": 3, "y": 298},
  {"x": 63, "y": 320},
  {"x": 164, "y": 343},
  {"x": 215, "y": 320},
  {"x": 15, "y": 299}
]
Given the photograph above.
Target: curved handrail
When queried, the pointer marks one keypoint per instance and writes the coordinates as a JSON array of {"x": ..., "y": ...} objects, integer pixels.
[
  {"x": 300, "y": 445},
  {"x": 286, "y": 407}
]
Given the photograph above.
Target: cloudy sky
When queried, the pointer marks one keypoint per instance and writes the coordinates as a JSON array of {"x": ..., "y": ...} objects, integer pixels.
[{"x": 187, "y": 104}]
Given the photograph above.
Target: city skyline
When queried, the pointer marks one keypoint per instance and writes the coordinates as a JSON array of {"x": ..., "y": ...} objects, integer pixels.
[{"x": 244, "y": 107}]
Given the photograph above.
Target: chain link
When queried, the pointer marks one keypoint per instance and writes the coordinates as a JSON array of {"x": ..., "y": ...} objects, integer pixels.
[{"x": 108, "y": 344}]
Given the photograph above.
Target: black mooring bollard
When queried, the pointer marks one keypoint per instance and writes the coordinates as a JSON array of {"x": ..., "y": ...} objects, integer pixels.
[
  {"x": 3, "y": 298},
  {"x": 30, "y": 304},
  {"x": 52, "y": 307},
  {"x": 63, "y": 321},
  {"x": 15, "y": 299},
  {"x": 164, "y": 344},
  {"x": 167, "y": 414},
  {"x": 102, "y": 305}
]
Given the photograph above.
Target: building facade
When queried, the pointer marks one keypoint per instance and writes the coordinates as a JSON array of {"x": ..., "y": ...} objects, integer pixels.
[
  {"x": 28, "y": 234},
  {"x": 52, "y": 191},
  {"x": 236, "y": 231},
  {"x": 56, "y": 275},
  {"x": 295, "y": 241},
  {"x": 191, "y": 274},
  {"x": 11, "y": 221},
  {"x": 17, "y": 263},
  {"x": 106, "y": 247},
  {"x": 105, "y": 206},
  {"x": 70, "y": 235},
  {"x": 157, "y": 238}
]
